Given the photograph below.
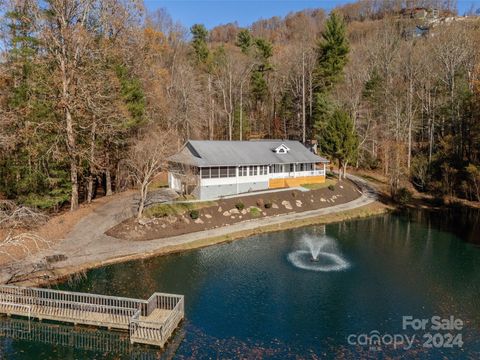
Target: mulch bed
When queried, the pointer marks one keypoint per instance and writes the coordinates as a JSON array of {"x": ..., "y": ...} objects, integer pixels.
[{"x": 226, "y": 213}]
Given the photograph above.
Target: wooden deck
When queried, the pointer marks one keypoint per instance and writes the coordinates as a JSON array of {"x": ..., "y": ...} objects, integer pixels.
[{"x": 149, "y": 321}]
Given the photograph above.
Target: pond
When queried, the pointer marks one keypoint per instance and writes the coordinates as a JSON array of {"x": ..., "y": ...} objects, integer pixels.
[{"x": 264, "y": 297}]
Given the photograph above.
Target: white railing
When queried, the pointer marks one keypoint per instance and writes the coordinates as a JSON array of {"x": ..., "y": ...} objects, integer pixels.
[
  {"x": 294, "y": 174},
  {"x": 147, "y": 331},
  {"x": 100, "y": 310}
]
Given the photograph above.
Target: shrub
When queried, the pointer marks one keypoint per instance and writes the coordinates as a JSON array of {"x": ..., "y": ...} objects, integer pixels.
[
  {"x": 403, "y": 196},
  {"x": 240, "y": 206},
  {"x": 331, "y": 187},
  {"x": 268, "y": 205},
  {"x": 255, "y": 212},
  {"x": 194, "y": 214},
  {"x": 260, "y": 202}
]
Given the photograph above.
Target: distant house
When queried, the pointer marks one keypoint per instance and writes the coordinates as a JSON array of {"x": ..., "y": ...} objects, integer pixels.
[{"x": 212, "y": 169}]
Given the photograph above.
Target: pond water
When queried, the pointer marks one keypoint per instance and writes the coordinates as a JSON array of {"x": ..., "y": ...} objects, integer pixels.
[{"x": 264, "y": 297}]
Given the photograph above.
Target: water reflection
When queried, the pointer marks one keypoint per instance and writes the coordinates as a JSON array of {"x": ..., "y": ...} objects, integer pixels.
[{"x": 15, "y": 333}]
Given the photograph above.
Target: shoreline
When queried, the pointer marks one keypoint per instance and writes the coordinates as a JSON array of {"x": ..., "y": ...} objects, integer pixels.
[{"x": 280, "y": 223}]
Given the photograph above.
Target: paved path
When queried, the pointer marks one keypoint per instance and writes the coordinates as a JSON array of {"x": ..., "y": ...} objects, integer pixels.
[{"x": 87, "y": 243}]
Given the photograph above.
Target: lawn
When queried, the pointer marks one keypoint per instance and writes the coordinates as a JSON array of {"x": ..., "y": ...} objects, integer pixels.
[{"x": 326, "y": 184}]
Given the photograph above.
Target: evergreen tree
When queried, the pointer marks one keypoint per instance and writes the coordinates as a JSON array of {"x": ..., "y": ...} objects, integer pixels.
[
  {"x": 332, "y": 53},
  {"x": 244, "y": 41},
  {"x": 199, "y": 43},
  {"x": 339, "y": 140},
  {"x": 332, "y": 56}
]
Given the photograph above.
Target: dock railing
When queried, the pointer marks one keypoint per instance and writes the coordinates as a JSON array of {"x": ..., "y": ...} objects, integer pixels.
[
  {"x": 157, "y": 332},
  {"x": 149, "y": 321}
]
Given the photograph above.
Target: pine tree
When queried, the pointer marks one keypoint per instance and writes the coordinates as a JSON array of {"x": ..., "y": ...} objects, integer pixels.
[
  {"x": 199, "y": 43},
  {"x": 332, "y": 53},
  {"x": 339, "y": 140},
  {"x": 332, "y": 56}
]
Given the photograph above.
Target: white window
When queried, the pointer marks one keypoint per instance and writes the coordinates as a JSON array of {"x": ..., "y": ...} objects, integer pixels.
[
  {"x": 282, "y": 149},
  {"x": 243, "y": 171},
  {"x": 253, "y": 170}
]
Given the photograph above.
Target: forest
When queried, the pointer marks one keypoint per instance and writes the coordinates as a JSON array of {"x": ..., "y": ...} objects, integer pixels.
[{"x": 95, "y": 94}]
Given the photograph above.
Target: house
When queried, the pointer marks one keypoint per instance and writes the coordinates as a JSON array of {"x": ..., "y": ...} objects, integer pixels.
[{"x": 212, "y": 169}]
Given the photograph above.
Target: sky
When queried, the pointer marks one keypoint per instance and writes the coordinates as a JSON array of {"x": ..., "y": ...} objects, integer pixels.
[{"x": 215, "y": 12}]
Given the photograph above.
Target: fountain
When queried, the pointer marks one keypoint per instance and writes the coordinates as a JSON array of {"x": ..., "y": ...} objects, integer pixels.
[{"x": 318, "y": 254}]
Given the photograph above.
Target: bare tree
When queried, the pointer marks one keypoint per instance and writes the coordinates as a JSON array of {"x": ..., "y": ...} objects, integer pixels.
[
  {"x": 20, "y": 245},
  {"x": 147, "y": 158},
  {"x": 16, "y": 216}
]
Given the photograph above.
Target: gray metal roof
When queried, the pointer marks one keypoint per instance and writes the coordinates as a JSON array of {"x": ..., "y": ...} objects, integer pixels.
[{"x": 231, "y": 153}]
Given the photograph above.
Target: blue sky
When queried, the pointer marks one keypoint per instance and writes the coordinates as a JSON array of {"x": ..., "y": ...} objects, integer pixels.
[{"x": 216, "y": 12}]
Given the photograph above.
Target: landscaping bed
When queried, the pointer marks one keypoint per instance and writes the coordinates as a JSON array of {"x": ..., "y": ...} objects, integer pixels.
[{"x": 166, "y": 220}]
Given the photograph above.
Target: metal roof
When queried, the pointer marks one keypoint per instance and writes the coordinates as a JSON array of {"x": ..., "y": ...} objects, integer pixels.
[{"x": 203, "y": 153}]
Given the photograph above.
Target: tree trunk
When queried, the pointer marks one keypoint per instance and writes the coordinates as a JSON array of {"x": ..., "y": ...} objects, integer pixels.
[
  {"x": 108, "y": 182},
  {"x": 71, "y": 146},
  {"x": 340, "y": 169},
  {"x": 345, "y": 170},
  {"x": 91, "y": 167},
  {"x": 303, "y": 99},
  {"x": 241, "y": 111},
  {"x": 143, "y": 197}
]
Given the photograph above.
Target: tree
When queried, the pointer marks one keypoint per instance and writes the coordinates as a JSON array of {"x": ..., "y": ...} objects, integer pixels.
[
  {"x": 199, "y": 43},
  {"x": 147, "y": 157},
  {"x": 332, "y": 53},
  {"x": 244, "y": 40},
  {"x": 332, "y": 56},
  {"x": 339, "y": 140}
]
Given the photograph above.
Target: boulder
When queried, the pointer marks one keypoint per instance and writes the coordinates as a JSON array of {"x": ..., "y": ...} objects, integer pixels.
[{"x": 287, "y": 205}]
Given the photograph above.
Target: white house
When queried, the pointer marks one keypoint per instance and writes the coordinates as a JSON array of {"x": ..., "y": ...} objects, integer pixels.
[{"x": 211, "y": 169}]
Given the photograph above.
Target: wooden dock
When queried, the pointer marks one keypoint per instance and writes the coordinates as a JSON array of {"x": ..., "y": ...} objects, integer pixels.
[{"x": 149, "y": 321}]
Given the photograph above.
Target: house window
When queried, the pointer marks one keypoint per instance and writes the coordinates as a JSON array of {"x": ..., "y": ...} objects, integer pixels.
[
  {"x": 232, "y": 171},
  {"x": 243, "y": 171},
  {"x": 253, "y": 170},
  {"x": 277, "y": 168},
  {"x": 263, "y": 170},
  {"x": 214, "y": 172},
  {"x": 282, "y": 149},
  {"x": 292, "y": 167},
  {"x": 205, "y": 173},
  {"x": 223, "y": 172}
]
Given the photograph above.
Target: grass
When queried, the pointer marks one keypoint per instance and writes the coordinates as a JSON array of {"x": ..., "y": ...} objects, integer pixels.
[
  {"x": 255, "y": 212},
  {"x": 327, "y": 183},
  {"x": 174, "y": 209}
]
